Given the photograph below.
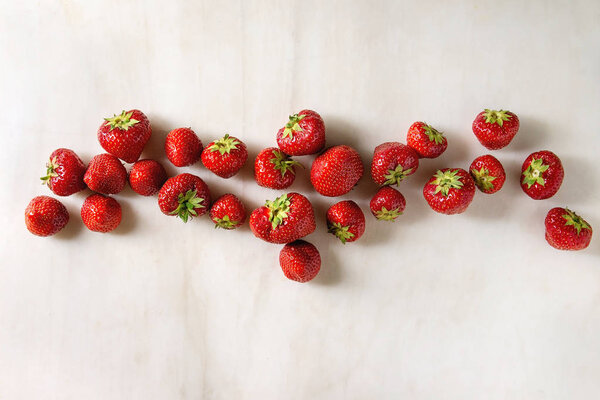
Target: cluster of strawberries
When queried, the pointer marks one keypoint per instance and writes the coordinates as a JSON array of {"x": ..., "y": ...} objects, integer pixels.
[{"x": 290, "y": 217}]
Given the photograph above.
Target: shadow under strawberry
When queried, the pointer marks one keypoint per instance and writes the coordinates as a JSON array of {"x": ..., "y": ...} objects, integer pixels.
[
  {"x": 128, "y": 216},
  {"x": 530, "y": 136}
]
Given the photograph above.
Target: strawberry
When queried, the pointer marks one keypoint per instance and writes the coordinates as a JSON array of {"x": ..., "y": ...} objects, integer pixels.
[
  {"x": 336, "y": 171},
  {"x": 45, "y": 216},
  {"x": 274, "y": 169},
  {"x": 346, "y": 221},
  {"x": 449, "y": 191},
  {"x": 488, "y": 173},
  {"x": 287, "y": 218},
  {"x": 183, "y": 147},
  {"x": 303, "y": 134},
  {"x": 225, "y": 157},
  {"x": 392, "y": 162},
  {"x": 228, "y": 212},
  {"x": 427, "y": 141},
  {"x": 105, "y": 174},
  {"x": 64, "y": 173},
  {"x": 147, "y": 177},
  {"x": 300, "y": 261},
  {"x": 101, "y": 213},
  {"x": 125, "y": 135},
  {"x": 542, "y": 174},
  {"x": 566, "y": 230},
  {"x": 387, "y": 204},
  {"x": 495, "y": 129},
  {"x": 185, "y": 196}
]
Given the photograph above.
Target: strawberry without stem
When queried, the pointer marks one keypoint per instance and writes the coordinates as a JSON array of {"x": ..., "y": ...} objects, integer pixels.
[
  {"x": 225, "y": 157},
  {"x": 64, "y": 173},
  {"x": 125, "y": 135},
  {"x": 392, "y": 162},
  {"x": 147, "y": 177},
  {"x": 106, "y": 174},
  {"x": 303, "y": 134},
  {"x": 387, "y": 204},
  {"x": 336, "y": 171},
  {"x": 427, "y": 141},
  {"x": 300, "y": 261},
  {"x": 101, "y": 213},
  {"x": 228, "y": 212},
  {"x": 542, "y": 174},
  {"x": 449, "y": 191},
  {"x": 274, "y": 169},
  {"x": 183, "y": 147},
  {"x": 495, "y": 129},
  {"x": 346, "y": 221},
  {"x": 185, "y": 196},
  {"x": 488, "y": 173},
  {"x": 566, "y": 230},
  {"x": 45, "y": 216}
]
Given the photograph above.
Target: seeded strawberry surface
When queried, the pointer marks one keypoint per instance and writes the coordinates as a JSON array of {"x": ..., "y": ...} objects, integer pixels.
[
  {"x": 64, "y": 172},
  {"x": 185, "y": 196},
  {"x": 101, "y": 213},
  {"x": 346, "y": 221},
  {"x": 387, "y": 204},
  {"x": 45, "y": 216},
  {"x": 565, "y": 230},
  {"x": 303, "y": 134},
  {"x": 147, "y": 177},
  {"x": 393, "y": 162},
  {"x": 300, "y": 261},
  {"x": 495, "y": 129},
  {"x": 336, "y": 171},
  {"x": 488, "y": 173},
  {"x": 225, "y": 157},
  {"x": 125, "y": 135},
  {"x": 274, "y": 169},
  {"x": 183, "y": 147},
  {"x": 427, "y": 141},
  {"x": 106, "y": 174},
  {"x": 449, "y": 191},
  {"x": 542, "y": 174},
  {"x": 228, "y": 212}
]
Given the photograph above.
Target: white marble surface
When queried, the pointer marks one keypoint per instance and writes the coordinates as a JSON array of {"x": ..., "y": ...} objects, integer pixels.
[{"x": 475, "y": 306}]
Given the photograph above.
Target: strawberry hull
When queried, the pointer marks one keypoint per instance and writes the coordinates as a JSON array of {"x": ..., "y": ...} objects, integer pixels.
[{"x": 125, "y": 135}]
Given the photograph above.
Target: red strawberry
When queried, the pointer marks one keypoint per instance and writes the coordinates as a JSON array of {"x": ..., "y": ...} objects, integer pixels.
[
  {"x": 287, "y": 218},
  {"x": 125, "y": 135},
  {"x": 101, "y": 213},
  {"x": 542, "y": 174},
  {"x": 495, "y": 129},
  {"x": 427, "y": 141},
  {"x": 392, "y": 162},
  {"x": 64, "y": 172},
  {"x": 225, "y": 157},
  {"x": 449, "y": 191},
  {"x": 228, "y": 212},
  {"x": 488, "y": 173},
  {"x": 336, "y": 171},
  {"x": 387, "y": 204},
  {"x": 566, "y": 230},
  {"x": 303, "y": 134},
  {"x": 185, "y": 196},
  {"x": 147, "y": 177},
  {"x": 106, "y": 174},
  {"x": 45, "y": 216},
  {"x": 346, "y": 221},
  {"x": 183, "y": 147},
  {"x": 300, "y": 261},
  {"x": 274, "y": 169}
]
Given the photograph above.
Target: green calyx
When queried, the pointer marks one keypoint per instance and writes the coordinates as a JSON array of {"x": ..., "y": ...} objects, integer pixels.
[
  {"x": 278, "y": 210},
  {"x": 188, "y": 203},
  {"x": 496, "y": 117},
  {"x": 224, "y": 145},
  {"x": 483, "y": 179},
  {"x": 51, "y": 168},
  {"x": 122, "y": 121},
  {"x": 388, "y": 215},
  {"x": 341, "y": 232},
  {"x": 433, "y": 134},
  {"x": 446, "y": 180},
  {"x": 575, "y": 220},
  {"x": 293, "y": 125},
  {"x": 225, "y": 223},
  {"x": 283, "y": 163},
  {"x": 394, "y": 176},
  {"x": 533, "y": 173}
]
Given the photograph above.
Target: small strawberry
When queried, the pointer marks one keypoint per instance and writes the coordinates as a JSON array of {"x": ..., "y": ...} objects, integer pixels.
[
  {"x": 101, "y": 213},
  {"x": 488, "y": 173},
  {"x": 45, "y": 216},
  {"x": 185, "y": 196},
  {"x": 566, "y": 230},
  {"x": 392, "y": 162},
  {"x": 225, "y": 157},
  {"x": 228, "y": 212},
  {"x": 125, "y": 135},
  {"x": 183, "y": 147},
  {"x": 387, "y": 204},
  {"x": 303, "y": 134},
  {"x": 495, "y": 129},
  {"x": 287, "y": 218},
  {"x": 427, "y": 141},
  {"x": 336, "y": 171},
  {"x": 64, "y": 173},
  {"x": 274, "y": 169},
  {"x": 106, "y": 174},
  {"x": 300, "y": 261},
  {"x": 346, "y": 221},
  {"x": 147, "y": 177},
  {"x": 542, "y": 174},
  {"x": 449, "y": 191}
]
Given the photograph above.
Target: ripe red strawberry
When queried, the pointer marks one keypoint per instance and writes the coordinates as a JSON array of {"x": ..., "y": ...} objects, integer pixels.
[
  {"x": 106, "y": 174},
  {"x": 303, "y": 134},
  {"x": 64, "y": 172},
  {"x": 387, "y": 204},
  {"x": 346, "y": 221},
  {"x": 300, "y": 261},
  {"x": 427, "y": 141},
  {"x": 183, "y": 147},
  {"x": 45, "y": 216},
  {"x": 449, "y": 191},
  {"x": 495, "y": 129},
  {"x": 225, "y": 157},
  {"x": 542, "y": 174},
  {"x": 228, "y": 212},
  {"x": 287, "y": 218},
  {"x": 488, "y": 173},
  {"x": 392, "y": 162},
  {"x": 566, "y": 230},
  {"x": 185, "y": 196},
  {"x": 147, "y": 177},
  {"x": 336, "y": 171},
  {"x": 101, "y": 213},
  {"x": 274, "y": 169},
  {"x": 125, "y": 135}
]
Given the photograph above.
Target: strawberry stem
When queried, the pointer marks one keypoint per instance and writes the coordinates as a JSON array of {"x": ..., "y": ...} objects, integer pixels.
[
  {"x": 341, "y": 232},
  {"x": 445, "y": 181},
  {"x": 496, "y": 117},
  {"x": 575, "y": 220},
  {"x": 293, "y": 125},
  {"x": 534, "y": 173},
  {"x": 283, "y": 163},
  {"x": 188, "y": 203},
  {"x": 225, "y": 144},
  {"x": 278, "y": 210},
  {"x": 51, "y": 167},
  {"x": 122, "y": 121}
]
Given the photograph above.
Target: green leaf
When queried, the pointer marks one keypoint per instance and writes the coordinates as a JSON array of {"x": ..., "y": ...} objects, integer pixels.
[
  {"x": 534, "y": 173},
  {"x": 575, "y": 220},
  {"x": 278, "y": 210},
  {"x": 283, "y": 163},
  {"x": 395, "y": 176},
  {"x": 224, "y": 145},
  {"x": 433, "y": 134},
  {"x": 446, "y": 180},
  {"x": 341, "y": 232},
  {"x": 293, "y": 125},
  {"x": 496, "y": 117},
  {"x": 122, "y": 121},
  {"x": 483, "y": 179},
  {"x": 388, "y": 215}
]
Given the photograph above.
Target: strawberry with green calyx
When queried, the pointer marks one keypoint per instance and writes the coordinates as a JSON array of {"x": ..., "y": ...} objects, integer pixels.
[
  {"x": 542, "y": 174},
  {"x": 495, "y": 129},
  {"x": 392, "y": 162},
  {"x": 300, "y": 261},
  {"x": 387, "y": 204},
  {"x": 185, "y": 196},
  {"x": 346, "y": 221},
  {"x": 106, "y": 174},
  {"x": 225, "y": 157},
  {"x": 488, "y": 173},
  {"x": 183, "y": 147},
  {"x": 45, "y": 216},
  {"x": 228, "y": 212},
  {"x": 125, "y": 135},
  {"x": 427, "y": 141},
  {"x": 566, "y": 230},
  {"x": 336, "y": 171},
  {"x": 449, "y": 191},
  {"x": 101, "y": 213},
  {"x": 303, "y": 134},
  {"x": 274, "y": 169},
  {"x": 64, "y": 173}
]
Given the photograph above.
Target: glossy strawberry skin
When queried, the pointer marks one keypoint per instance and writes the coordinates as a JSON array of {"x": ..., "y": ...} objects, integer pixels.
[
  {"x": 300, "y": 261},
  {"x": 65, "y": 172},
  {"x": 147, "y": 177},
  {"x": 183, "y": 147},
  {"x": 267, "y": 175},
  {"x": 391, "y": 156},
  {"x": 181, "y": 184},
  {"x": 101, "y": 213},
  {"x": 488, "y": 173},
  {"x": 336, "y": 171},
  {"x": 457, "y": 200},
  {"x": 563, "y": 236},
  {"x": 347, "y": 214},
  {"x": 228, "y": 208},
  {"x": 387, "y": 198},
  {"x": 418, "y": 139},
  {"x": 106, "y": 174},
  {"x": 310, "y": 139},
  {"x": 552, "y": 176},
  {"x": 227, "y": 164},
  {"x": 492, "y": 135},
  {"x": 126, "y": 144},
  {"x": 45, "y": 216}
]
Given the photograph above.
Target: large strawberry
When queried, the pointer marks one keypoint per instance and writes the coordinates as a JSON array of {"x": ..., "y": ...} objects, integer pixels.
[
  {"x": 125, "y": 135},
  {"x": 427, "y": 141},
  {"x": 64, "y": 172},
  {"x": 566, "y": 230},
  {"x": 274, "y": 169},
  {"x": 488, "y": 173},
  {"x": 392, "y": 162},
  {"x": 300, "y": 261},
  {"x": 449, "y": 191},
  {"x": 346, "y": 221},
  {"x": 101, "y": 213},
  {"x": 228, "y": 212},
  {"x": 303, "y": 134},
  {"x": 495, "y": 129},
  {"x": 147, "y": 177},
  {"x": 542, "y": 174},
  {"x": 106, "y": 174},
  {"x": 185, "y": 196},
  {"x": 336, "y": 171},
  {"x": 45, "y": 216},
  {"x": 225, "y": 157},
  {"x": 287, "y": 218},
  {"x": 183, "y": 147},
  {"x": 387, "y": 204}
]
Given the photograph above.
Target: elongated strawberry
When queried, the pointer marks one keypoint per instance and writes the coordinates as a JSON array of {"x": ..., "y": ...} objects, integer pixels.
[
  {"x": 228, "y": 212},
  {"x": 101, "y": 213},
  {"x": 274, "y": 169},
  {"x": 300, "y": 261},
  {"x": 125, "y": 135},
  {"x": 566, "y": 230},
  {"x": 392, "y": 162},
  {"x": 64, "y": 173},
  {"x": 225, "y": 157},
  {"x": 427, "y": 141},
  {"x": 45, "y": 216},
  {"x": 184, "y": 196},
  {"x": 488, "y": 173},
  {"x": 303, "y": 134},
  {"x": 183, "y": 147},
  {"x": 336, "y": 171},
  {"x": 495, "y": 129},
  {"x": 387, "y": 204},
  {"x": 346, "y": 221},
  {"x": 106, "y": 174},
  {"x": 449, "y": 191},
  {"x": 147, "y": 177},
  {"x": 542, "y": 174}
]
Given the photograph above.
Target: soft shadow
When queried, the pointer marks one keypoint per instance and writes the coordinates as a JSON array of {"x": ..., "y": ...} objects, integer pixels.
[
  {"x": 73, "y": 227},
  {"x": 331, "y": 269},
  {"x": 530, "y": 136},
  {"x": 576, "y": 188},
  {"x": 128, "y": 219},
  {"x": 155, "y": 148}
]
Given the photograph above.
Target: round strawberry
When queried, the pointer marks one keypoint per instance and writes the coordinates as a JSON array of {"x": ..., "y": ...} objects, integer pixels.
[
  {"x": 542, "y": 174},
  {"x": 346, "y": 221},
  {"x": 495, "y": 129},
  {"x": 147, "y": 177},
  {"x": 225, "y": 157},
  {"x": 45, "y": 216},
  {"x": 387, "y": 204},
  {"x": 566, "y": 230},
  {"x": 101, "y": 213},
  {"x": 64, "y": 172},
  {"x": 274, "y": 169},
  {"x": 303, "y": 134},
  {"x": 228, "y": 212},
  {"x": 392, "y": 162},
  {"x": 183, "y": 147},
  {"x": 449, "y": 191},
  {"x": 300, "y": 261},
  {"x": 336, "y": 171},
  {"x": 185, "y": 196},
  {"x": 488, "y": 173},
  {"x": 125, "y": 135},
  {"x": 106, "y": 174},
  {"x": 427, "y": 141}
]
